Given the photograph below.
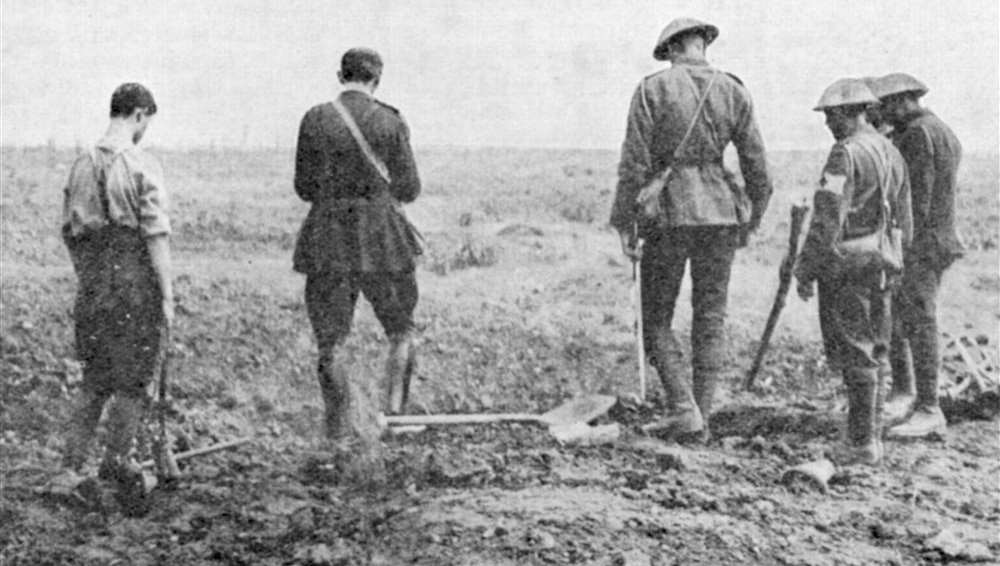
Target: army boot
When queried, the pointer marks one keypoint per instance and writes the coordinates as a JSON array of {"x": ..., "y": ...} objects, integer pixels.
[
  {"x": 861, "y": 446},
  {"x": 333, "y": 382},
  {"x": 399, "y": 367},
  {"x": 926, "y": 418},
  {"x": 683, "y": 420},
  {"x": 900, "y": 399},
  {"x": 922, "y": 422}
]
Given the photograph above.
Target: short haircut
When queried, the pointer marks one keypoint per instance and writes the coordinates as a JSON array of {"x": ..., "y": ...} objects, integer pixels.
[
  {"x": 361, "y": 65},
  {"x": 130, "y": 96}
]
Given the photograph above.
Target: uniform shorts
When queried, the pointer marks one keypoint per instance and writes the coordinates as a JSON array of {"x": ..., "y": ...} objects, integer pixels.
[{"x": 331, "y": 297}]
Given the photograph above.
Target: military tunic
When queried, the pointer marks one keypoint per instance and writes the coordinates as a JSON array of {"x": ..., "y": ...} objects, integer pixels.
[
  {"x": 355, "y": 238},
  {"x": 855, "y": 307},
  {"x": 353, "y": 225},
  {"x": 114, "y": 200}
]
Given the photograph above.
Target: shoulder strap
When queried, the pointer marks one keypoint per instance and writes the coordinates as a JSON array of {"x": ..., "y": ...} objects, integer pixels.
[
  {"x": 880, "y": 156},
  {"x": 359, "y": 137},
  {"x": 697, "y": 112},
  {"x": 101, "y": 176}
]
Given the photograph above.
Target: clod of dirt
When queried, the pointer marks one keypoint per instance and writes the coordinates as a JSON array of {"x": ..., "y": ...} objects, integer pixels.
[
  {"x": 814, "y": 475},
  {"x": 633, "y": 557},
  {"x": 540, "y": 539},
  {"x": 667, "y": 457},
  {"x": 952, "y": 545}
]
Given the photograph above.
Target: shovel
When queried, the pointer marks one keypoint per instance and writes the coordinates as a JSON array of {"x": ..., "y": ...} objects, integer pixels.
[{"x": 580, "y": 410}]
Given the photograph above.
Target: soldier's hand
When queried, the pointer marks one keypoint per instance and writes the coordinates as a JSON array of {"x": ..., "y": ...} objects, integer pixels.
[
  {"x": 631, "y": 246},
  {"x": 804, "y": 289}
]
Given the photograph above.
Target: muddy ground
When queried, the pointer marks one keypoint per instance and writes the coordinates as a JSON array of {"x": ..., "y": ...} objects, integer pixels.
[{"x": 524, "y": 303}]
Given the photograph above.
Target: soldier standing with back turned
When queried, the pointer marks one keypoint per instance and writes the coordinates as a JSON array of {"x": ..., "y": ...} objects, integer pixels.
[
  {"x": 355, "y": 238},
  {"x": 932, "y": 154},
  {"x": 863, "y": 189},
  {"x": 705, "y": 216}
]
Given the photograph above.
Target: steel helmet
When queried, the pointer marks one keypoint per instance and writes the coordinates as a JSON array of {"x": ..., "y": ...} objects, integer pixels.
[
  {"x": 846, "y": 92},
  {"x": 679, "y": 26},
  {"x": 898, "y": 83}
]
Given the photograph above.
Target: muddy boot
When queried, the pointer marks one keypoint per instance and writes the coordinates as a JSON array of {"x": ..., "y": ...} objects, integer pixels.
[
  {"x": 861, "y": 446},
  {"x": 683, "y": 420},
  {"x": 900, "y": 399},
  {"x": 926, "y": 418},
  {"x": 334, "y": 385},
  {"x": 399, "y": 367},
  {"x": 81, "y": 428}
]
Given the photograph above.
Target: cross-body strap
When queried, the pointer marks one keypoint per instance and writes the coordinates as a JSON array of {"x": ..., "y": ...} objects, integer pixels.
[
  {"x": 697, "y": 112},
  {"x": 887, "y": 216},
  {"x": 363, "y": 144}
]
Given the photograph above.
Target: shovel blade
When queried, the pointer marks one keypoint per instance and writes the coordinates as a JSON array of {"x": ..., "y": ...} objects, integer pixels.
[{"x": 582, "y": 410}]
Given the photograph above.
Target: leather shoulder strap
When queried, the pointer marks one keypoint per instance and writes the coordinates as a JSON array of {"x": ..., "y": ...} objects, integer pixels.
[
  {"x": 697, "y": 112},
  {"x": 363, "y": 144}
]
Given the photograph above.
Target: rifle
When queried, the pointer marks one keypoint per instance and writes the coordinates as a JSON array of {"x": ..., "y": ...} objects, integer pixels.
[{"x": 798, "y": 214}]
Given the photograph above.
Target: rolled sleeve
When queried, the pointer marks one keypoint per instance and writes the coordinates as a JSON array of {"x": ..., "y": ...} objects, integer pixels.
[
  {"x": 635, "y": 164},
  {"x": 153, "y": 218}
]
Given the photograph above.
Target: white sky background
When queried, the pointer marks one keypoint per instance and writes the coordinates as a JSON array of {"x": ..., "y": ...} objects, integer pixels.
[{"x": 495, "y": 73}]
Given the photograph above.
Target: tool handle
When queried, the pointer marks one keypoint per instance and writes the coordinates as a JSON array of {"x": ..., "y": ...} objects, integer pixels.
[
  {"x": 460, "y": 419},
  {"x": 202, "y": 451},
  {"x": 640, "y": 344}
]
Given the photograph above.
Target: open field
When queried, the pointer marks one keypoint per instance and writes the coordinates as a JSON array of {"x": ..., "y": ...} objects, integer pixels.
[{"x": 524, "y": 302}]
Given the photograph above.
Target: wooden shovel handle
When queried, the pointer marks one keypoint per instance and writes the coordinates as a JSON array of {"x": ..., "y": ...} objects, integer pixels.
[{"x": 461, "y": 419}]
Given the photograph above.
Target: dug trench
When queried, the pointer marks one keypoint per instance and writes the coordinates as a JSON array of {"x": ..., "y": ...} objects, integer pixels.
[{"x": 522, "y": 307}]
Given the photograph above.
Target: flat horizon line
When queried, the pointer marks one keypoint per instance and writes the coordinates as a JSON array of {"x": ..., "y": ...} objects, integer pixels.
[{"x": 285, "y": 148}]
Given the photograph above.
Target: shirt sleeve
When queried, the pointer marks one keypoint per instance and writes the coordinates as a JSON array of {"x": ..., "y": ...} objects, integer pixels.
[
  {"x": 402, "y": 166},
  {"x": 153, "y": 218},
  {"x": 635, "y": 164},
  {"x": 753, "y": 160},
  {"x": 828, "y": 216}
]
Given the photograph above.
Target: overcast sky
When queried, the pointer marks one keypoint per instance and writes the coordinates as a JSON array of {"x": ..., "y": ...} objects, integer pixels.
[{"x": 499, "y": 73}]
